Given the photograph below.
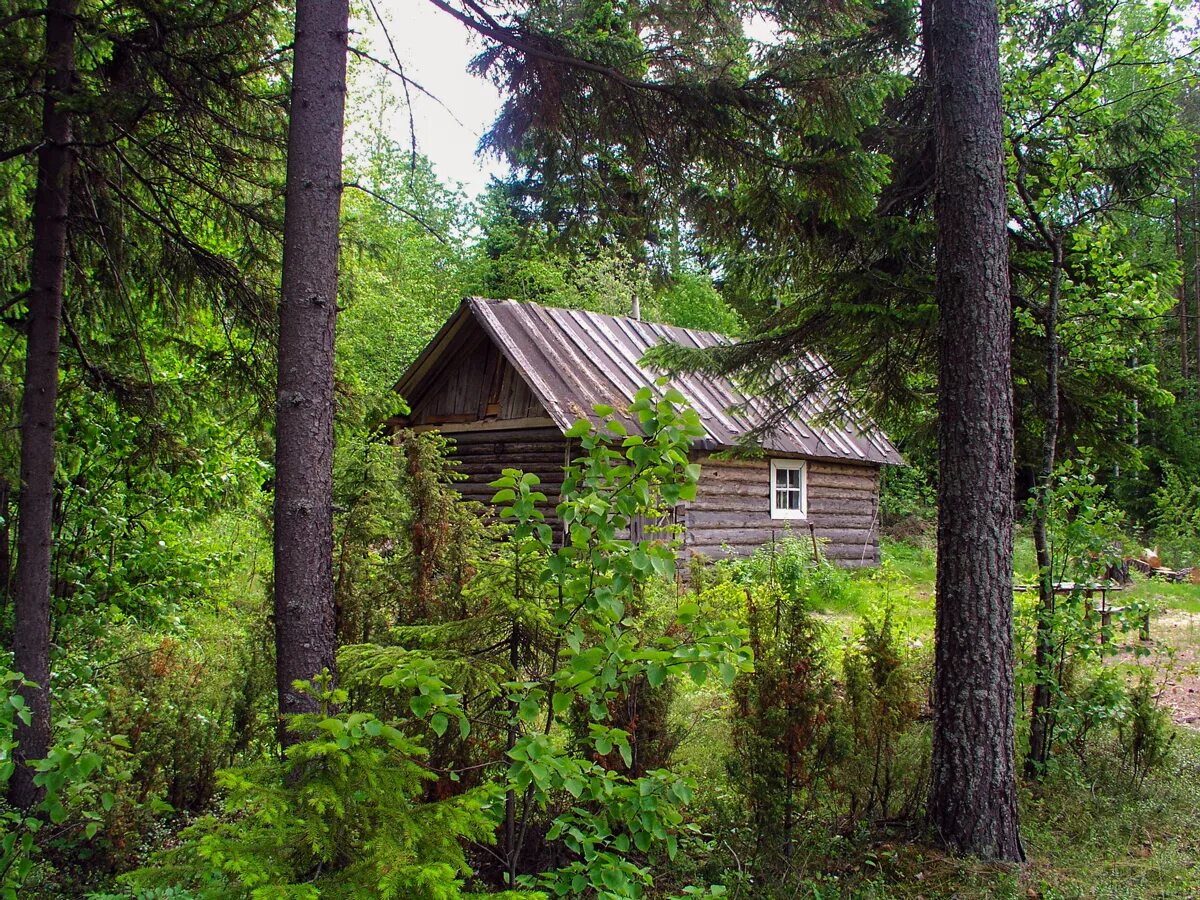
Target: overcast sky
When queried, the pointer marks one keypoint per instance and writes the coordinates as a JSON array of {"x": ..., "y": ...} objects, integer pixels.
[{"x": 435, "y": 50}]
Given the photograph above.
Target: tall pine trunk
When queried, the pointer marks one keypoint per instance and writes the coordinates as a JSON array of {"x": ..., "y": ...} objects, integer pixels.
[
  {"x": 305, "y": 630},
  {"x": 35, "y": 503},
  {"x": 973, "y": 798}
]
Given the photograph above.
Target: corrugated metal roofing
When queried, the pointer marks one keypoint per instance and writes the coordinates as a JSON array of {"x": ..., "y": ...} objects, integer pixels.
[{"x": 574, "y": 360}]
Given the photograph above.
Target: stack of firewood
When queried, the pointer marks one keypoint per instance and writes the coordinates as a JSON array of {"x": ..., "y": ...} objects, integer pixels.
[{"x": 1149, "y": 563}]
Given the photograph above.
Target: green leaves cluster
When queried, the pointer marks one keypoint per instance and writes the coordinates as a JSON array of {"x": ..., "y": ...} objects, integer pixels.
[
  {"x": 633, "y": 465},
  {"x": 75, "y": 780}
]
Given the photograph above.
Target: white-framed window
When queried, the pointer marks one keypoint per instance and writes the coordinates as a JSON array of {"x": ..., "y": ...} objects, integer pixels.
[{"x": 789, "y": 489}]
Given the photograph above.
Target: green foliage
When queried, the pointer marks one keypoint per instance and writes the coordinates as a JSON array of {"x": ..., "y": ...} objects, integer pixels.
[
  {"x": 797, "y": 569},
  {"x": 73, "y": 778},
  {"x": 143, "y": 719},
  {"x": 1176, "y": 519},
  {"x": 1144, "y": 734},
  {"x": 405, "y": 544},
  {"x": 1088, "y": 699},
  {"x": 1086, "y": 528},
  {"x": 137, "y": 492},
  {"x": 191, "y": 701},
  {"x": 782, "y": 738},
  {"x": 339, "y": 816},
  {"x": 404, "y": 267},
  {"x": 614, "y": 825},
  {"x": 814, "y": 748},
  {"x": 883, "y": 758},
  {"x": 906, "y": 493}
]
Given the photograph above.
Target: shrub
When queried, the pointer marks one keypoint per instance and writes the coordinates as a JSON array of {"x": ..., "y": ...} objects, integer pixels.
[
  {"x": 1145, "y": 733},
  {"x": 883, "y": 753},
  {"x": 907, "y": 500},
  {"x": 340, "y": 816},
  {"x": 798, "y": 571},
  {"x": 782, "y": 742}
]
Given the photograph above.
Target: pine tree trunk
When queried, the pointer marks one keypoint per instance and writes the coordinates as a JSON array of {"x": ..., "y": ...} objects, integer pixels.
[
  {"x": 5, "y": 545},
  {"x": 35, "y": 504},
  {"x": 973, "y": 800},
  {"x": 305, "y": 631}
]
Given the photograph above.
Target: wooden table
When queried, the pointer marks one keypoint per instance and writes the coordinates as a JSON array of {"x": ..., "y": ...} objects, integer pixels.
[{"x": 1089, "y": 591}]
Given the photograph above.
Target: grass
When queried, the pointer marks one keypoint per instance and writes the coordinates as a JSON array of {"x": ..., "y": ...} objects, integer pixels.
[
  {"x": 1178, "y": 597},
  {"x": 1095, "y": 840}
]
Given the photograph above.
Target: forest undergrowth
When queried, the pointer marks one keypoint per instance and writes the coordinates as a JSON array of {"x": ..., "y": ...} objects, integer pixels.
[{"x": 469, "y": 690}]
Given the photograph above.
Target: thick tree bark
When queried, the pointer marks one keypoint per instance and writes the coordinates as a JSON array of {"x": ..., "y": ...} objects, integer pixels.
[
  {"x": 973, "y": 800},
  {"x": 305, "y": 630},
  {"x": 5, "y": 544},
  {"x": 35, "y": 504}
]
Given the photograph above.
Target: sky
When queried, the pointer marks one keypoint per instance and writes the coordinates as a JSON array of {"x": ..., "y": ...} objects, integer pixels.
[{"x": 435, "y": 51}]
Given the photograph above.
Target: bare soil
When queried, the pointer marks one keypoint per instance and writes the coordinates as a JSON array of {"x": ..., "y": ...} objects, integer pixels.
[{"x": 1180, "y": 692}]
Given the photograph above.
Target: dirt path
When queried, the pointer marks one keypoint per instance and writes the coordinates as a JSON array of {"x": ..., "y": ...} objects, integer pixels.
[{"x": 1181, "y": 691}]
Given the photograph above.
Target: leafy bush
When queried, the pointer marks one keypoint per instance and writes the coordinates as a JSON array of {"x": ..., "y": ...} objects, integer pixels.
[
  {"x": 73, "y": 779},
  {"x": 798, "y": 572},
  {"x": 612, "y": 821},
  {"x": 1062, "y": 641},
  {"x": 1145, "y": 733},
  {"x": 907, "y": 500},
  {"x": 188, "y": 705}
]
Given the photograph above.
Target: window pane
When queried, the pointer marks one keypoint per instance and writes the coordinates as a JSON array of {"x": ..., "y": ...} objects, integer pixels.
[{"x": 787, "y": 487}]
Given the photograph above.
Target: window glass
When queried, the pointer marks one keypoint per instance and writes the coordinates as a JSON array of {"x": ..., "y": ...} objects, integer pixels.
[{"x": 787, "y": 489}]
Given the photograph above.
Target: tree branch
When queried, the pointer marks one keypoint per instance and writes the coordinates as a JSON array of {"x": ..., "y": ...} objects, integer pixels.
[
  {"x": 38, "y": 13},
  {"x": 505, "y": 36},
  {"x": 22, "y": 150},
  {"x": 400, "y": 209}
]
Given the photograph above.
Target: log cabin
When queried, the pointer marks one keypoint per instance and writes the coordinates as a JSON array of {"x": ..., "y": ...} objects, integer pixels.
[{"x": 505, "y": 380}]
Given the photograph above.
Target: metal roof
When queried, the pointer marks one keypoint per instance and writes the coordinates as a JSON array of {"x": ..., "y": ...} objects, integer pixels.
[{"x": 574, "y": 360}]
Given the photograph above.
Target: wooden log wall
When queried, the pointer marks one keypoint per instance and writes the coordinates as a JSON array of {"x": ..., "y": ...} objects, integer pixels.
[
  {"x": 732, "y": 510},
  {"x": 483, "y": 454},
  {"x": 731, "y": 514}
]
